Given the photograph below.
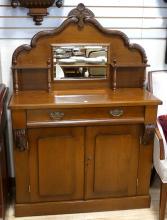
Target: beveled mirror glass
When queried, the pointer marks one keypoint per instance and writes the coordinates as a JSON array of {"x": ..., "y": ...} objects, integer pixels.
[{"x": 79, "y": 61}]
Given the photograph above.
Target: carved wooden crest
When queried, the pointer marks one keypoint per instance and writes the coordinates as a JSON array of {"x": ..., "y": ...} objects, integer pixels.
[{"x": 81, "y": 13}]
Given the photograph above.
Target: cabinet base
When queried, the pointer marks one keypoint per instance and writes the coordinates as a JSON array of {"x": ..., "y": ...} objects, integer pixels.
[{"x": 51, "y": 208}]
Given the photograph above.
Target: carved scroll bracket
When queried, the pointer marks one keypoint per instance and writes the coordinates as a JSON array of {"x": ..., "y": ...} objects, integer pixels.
[
  {"x": 20, "y": 137},
  {"x": 148, "y": 133}
]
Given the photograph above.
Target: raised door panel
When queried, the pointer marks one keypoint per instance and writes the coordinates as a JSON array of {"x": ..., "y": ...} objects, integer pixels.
[
  {"x": 56, "y": 164},
  {"x": 62, "y": 165},
  {"x": 112, "y": 161}
]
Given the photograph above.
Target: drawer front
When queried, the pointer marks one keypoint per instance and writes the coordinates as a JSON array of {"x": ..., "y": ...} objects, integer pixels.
[{"x": 48, "y": 115}]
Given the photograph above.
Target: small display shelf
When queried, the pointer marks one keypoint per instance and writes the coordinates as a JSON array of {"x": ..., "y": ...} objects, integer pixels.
[
  {"x": 129, "y": 65},
  {"x": 29, "y": 67},
  {"x": 38, "y": 73},
  {"x": 83, "y": 65},
  {"x": 116, "y": 66}
]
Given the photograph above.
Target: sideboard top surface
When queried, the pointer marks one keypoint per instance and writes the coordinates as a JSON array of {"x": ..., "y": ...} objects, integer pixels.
[{"x": 82, "y": 98}]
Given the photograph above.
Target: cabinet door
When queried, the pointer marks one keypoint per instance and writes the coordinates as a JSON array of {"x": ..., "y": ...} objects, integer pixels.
[
  {"x": 112, "y": 161},
  {"x": 56, "y": 164}
]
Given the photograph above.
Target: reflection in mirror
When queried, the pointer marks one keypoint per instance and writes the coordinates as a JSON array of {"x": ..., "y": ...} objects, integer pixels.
[{"x": 79, "y": 61}]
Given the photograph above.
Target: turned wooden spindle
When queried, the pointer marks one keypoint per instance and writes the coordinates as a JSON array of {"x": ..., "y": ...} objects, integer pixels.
[
  {"x": 15, "y": 76},
  {"x": 114, "y": 84},
  {"x": 49, "y": 74}
]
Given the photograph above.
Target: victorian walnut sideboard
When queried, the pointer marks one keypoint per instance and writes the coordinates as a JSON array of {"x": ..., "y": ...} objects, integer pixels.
[{"x": 83, "y": 122}]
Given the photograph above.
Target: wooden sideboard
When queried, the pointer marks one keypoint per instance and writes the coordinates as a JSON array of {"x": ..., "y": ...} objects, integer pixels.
[{"x": 81, "y": 142}]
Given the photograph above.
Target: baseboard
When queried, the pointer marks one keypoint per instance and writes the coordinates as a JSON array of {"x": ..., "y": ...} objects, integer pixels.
[{"x": 64, "y": 207}]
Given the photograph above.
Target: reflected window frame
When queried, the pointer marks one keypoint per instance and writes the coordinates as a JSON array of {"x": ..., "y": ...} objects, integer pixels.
[{"x": 69, "y": 48}]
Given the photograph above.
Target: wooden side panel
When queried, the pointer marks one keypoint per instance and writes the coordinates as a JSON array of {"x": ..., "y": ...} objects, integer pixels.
[
  {"x": 150, "y": 114},
  {"x": 145, "y": 166},
  {"x": 21, "y": 161},
  {"x": 56, "y": 164},
  {"x": 18, "y": 119},
  {"x": 112, "y": 161},
  {"x": 146, "y": 155},
  {"x": 22, "y": 176}
]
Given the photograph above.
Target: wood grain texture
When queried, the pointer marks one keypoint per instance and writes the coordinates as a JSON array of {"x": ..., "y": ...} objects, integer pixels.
[
  {"x": 82, "y": 206},
  {"x": 108, "y": 159},
  {"x": 161, "y": 144},
  {"x": 85, "y": 151},
  {"x": 87, "y": 113},
  {"x": 56, "y": 162},
  {"x": 163, "y": 199},
  {"x": 94, "y": 97}
]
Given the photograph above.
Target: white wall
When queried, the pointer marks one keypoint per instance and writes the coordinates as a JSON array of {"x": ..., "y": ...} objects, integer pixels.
[{"x": 144, "y": 21}]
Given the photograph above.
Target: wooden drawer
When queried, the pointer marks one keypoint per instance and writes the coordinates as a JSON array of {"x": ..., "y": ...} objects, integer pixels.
[{"x": 87, "y": 114}]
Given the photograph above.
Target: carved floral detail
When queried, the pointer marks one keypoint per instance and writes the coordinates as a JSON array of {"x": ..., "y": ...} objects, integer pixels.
[
  {"x": 20, "y": 137},
  {"x": 81, "y": 13}
]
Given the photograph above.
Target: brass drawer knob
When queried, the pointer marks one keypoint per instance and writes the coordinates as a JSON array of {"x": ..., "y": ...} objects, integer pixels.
[
  {"x": 56, "y": 115},
  {"x": 116, "y": 112}
]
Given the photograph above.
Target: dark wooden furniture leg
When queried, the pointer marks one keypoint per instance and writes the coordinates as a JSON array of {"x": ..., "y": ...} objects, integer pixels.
[
  {"x": 163, "y": 199},
  {"x": 3, "y": 162}
]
